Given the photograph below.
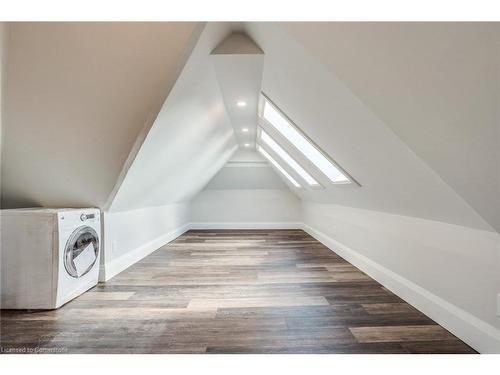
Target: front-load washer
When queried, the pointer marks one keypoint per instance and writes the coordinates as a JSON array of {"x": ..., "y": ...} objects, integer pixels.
[{"x": 49, "y": 256}]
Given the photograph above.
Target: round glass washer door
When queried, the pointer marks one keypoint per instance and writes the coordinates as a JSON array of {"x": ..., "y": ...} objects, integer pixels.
[{"x": 78, "y": 242}]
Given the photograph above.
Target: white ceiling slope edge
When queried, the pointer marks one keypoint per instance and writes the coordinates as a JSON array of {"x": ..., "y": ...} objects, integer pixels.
[
  {"x": 190, "y": 140},
  {"x": 76, "y": 97},
  {"x": 394, "y": 178},
  {"x": 436, "y": 85}
]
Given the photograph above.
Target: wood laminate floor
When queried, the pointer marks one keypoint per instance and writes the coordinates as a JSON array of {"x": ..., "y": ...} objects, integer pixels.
[{"x": 233, "y": 291}]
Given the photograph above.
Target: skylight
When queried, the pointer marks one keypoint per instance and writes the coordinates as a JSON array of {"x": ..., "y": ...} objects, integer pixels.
[
  {"x": 276, "y": 119},
  {"x": 279, "y": 167},
  {"x": 287, "y": 158}
]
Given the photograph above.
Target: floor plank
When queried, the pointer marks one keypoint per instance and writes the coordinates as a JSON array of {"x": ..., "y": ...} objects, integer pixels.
[
  {"x": 400, "y": 333},
  {"x": 233, "y": 291}
]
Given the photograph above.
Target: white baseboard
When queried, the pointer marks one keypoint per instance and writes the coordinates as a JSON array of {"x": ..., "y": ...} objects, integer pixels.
[
  {"x": 254, "y": 225},
  {"x": 121, "y": 263},
  {"x": 475, "y": 332}
]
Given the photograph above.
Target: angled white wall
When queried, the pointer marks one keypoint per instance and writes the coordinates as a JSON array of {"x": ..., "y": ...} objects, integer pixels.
[
  {"x": 392, "y": 177},
  {"x": 435, "y": 85},
  {"x": 190, "y": 140},
  {"x": 77, "y": 96}
]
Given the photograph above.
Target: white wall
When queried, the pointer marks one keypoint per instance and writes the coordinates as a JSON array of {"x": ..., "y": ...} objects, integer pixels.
[
  {"x": 131, "y": 235},
  {"x": 257, "y": 177},
  {"x": 245, "y": 193},
  {"x": 245, "y": 209},
  {"x": 246, "y": 170},
  {"x": 458, "y": 265}
]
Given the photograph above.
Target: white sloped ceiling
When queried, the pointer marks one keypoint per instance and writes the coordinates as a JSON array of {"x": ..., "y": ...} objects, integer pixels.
[
  {"x": 238, "y": 65},
  {"x": 409, "y": 111},
  {"x": 201, "y": 124},
  {"x": 191, "y": 139},
  {"x": 393, "y": 177},
  {"x": 436, "y": 85},
  {"x": 77, "y": 96}
]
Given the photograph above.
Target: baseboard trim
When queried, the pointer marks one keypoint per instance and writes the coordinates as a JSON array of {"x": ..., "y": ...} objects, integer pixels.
[
  {"x": 480, "y": 335},
  {"x": 249, "y": 225},
  {"x": 121, "y": 263}
]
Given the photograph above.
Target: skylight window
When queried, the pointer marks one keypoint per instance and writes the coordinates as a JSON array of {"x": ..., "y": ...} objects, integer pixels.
[
  {"x": 287, "y": 158},
  {"x": 288, "y": 130},
  {"x": 279, "y": 167}
]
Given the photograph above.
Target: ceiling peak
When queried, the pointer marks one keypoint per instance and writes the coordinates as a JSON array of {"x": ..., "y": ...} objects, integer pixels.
[{"x": 237, "y": 44}]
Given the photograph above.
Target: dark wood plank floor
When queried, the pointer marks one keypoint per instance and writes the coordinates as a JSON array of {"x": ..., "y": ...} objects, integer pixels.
[{"x": 263, "y": 291}]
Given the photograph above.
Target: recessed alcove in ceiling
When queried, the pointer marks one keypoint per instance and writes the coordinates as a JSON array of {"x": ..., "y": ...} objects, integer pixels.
[{"x": 238, "y": 64}]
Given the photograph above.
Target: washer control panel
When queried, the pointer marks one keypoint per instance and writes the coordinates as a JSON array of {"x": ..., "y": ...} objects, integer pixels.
[
  {"x": 73, "y": 218},
  {"x": 84, "y": 217}
]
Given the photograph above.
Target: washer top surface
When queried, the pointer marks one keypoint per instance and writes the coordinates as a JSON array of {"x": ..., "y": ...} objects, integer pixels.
[{"x": 46, "y": 210}]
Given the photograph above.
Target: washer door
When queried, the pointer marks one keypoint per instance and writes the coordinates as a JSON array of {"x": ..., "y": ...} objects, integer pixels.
[{"x": 78, "y": 242}]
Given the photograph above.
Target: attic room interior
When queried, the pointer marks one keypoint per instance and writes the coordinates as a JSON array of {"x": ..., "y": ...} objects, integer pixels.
[{"x": 250, "y": 187}]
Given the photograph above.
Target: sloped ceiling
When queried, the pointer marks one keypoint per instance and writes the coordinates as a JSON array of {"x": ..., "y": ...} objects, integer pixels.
[
  {"x": 436, "y": 85},
  {"x": 393, "y": 177},
  {"x": 77, "y": 96},
  {"x": 189, "y": 142},
  {"x": 238, "y": 65},
  {"x": 407, "y": 109}
]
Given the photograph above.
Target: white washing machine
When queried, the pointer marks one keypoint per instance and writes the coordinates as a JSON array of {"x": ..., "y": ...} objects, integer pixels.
[{"x": 49, "y": 256}]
